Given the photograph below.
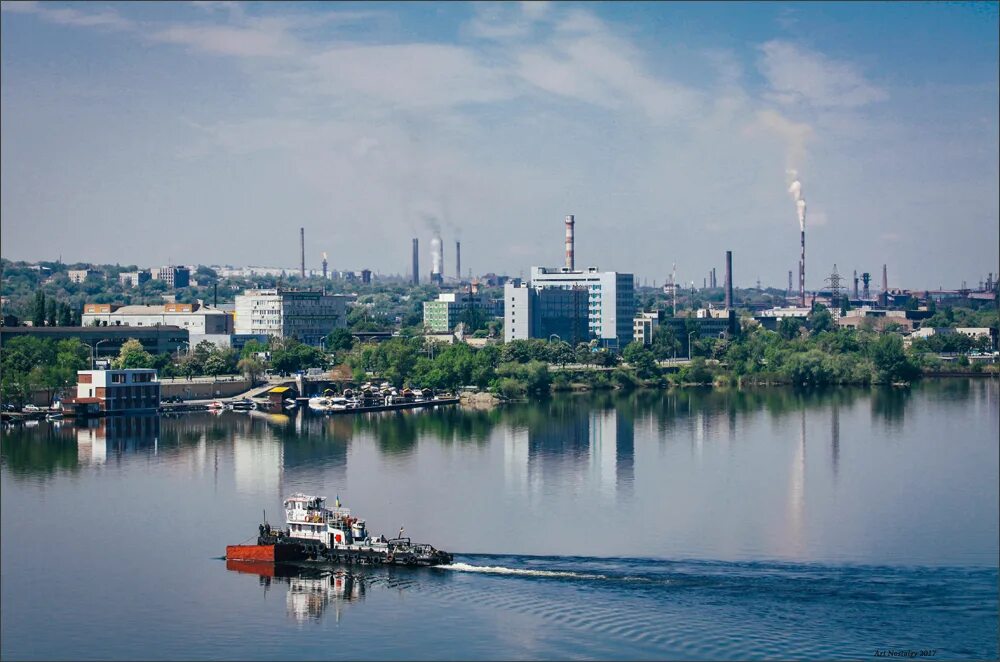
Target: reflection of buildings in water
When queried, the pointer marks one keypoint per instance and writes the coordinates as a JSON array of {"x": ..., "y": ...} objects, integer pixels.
[
  {"x": 835, "y": 438},
  {"x": 515, "y": 458},
  {"x": 596, "y": 445},
  {"x": 796, "y": 496},
  {"x": 612, "y": 450},
  {"x": 95, "y": 438},
  {"x": 257, "y": 464},
  {"x": 319, "y": 455}
]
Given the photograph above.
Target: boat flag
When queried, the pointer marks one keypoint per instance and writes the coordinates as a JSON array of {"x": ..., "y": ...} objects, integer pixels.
[{"x": 338, "y": 501}]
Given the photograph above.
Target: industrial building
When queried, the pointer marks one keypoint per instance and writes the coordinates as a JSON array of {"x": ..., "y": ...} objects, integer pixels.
[
  {"x": 306, "y": 315},
  {"x": 196, "y": 318},
  {"x": 173, "y": 276},
  {"x": 646, "y": 324},
  {"x": 610, "y": 300},
  {"x": 442, "y": 315},
  {"x": 534, "y": 312}
]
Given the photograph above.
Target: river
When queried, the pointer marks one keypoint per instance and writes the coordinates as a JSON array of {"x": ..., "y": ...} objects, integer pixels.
[{"x": 689, "y": 524}]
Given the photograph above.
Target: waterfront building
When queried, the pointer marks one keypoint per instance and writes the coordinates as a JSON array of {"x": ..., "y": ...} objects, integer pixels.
[
  {"x": 646, "y": 324},
  {"x": 197, "y": 318},
  {"x": 134, "y": 278},
  {"x": 80, "y": 275},
  {"x": 119, "y": 391},
  {"x": 305, "y": 315},
  {"x": 610, "y": 306},
  {"x": 549, "y": 313},
  {"x": 107, "y": 341},
  {"x": 173, "y": 276},
  {"x": 442, "y": 315}
]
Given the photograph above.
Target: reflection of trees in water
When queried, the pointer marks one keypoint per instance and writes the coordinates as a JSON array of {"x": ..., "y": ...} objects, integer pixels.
[
  {"x": 43, "y": 450},
  {"x": 397, "y": 432},
  {"x": 889, "y": 404}
]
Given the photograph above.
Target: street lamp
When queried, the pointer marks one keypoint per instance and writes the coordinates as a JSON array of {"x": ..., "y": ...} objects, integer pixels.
[
  {"x": 690, "y": 356},
  {"x": 93, "y": 350}
]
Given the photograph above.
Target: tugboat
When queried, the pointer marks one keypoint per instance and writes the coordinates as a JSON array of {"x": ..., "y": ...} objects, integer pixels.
[{"x": 316, "y": 533}]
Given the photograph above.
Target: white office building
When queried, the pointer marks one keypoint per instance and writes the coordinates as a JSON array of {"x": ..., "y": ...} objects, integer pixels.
[
  {"x": 610, "y": 299},
  {"x": 196, "y": 318},
  {"x": 306, "y": 316}
]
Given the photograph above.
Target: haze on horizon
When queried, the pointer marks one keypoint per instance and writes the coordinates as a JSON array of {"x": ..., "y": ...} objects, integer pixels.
[{"x": 209, "y": 132}]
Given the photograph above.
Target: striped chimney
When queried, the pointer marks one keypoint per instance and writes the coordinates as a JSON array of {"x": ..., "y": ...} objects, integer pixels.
[{"x": 570, "y": 261}]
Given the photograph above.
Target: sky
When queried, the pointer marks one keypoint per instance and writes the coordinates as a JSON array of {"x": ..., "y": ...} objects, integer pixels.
[{"x": 210, "y": 132}]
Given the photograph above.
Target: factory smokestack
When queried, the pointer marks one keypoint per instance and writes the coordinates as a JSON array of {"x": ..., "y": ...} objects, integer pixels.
[
  {"x": 885, "y": 279},
  {"x": 324, "y": 266},
  {"x": 416, "y": 261},
  {"x": 855, "y": 284},
  {"x": 458, "y": 260},
  {"x": 436, "y": 259},
  {"x": 795, "y": 189},
  {"x": 570, "y": 258},
  {"x": 729, "y": 280},
  {"x": 302, "y": 246}
]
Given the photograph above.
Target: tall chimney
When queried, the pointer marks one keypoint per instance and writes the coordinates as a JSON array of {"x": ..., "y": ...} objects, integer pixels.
[
  {"x": 802, "y": 271},
  {"x": 570, "y": 260},
  {"x": 324, "y": 267},
  {"x": 855, "y": 283},
  {"x": 789, "y": 283},
  {"x": 458, "y": 260},
  {"x": 729, "y": 280},
  {"x": 302, "y": 244},
  {"x": 416, "y": 261},
  {"x": 885, "y": 279}
]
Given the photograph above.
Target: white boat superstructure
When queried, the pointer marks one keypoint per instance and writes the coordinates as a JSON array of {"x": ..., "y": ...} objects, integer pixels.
[{"x": 310, "y": 521}]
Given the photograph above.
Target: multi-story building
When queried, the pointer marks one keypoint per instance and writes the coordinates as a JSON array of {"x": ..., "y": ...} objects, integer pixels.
[
  {"x": 644, "y": 326},
  {"x": 532, "y": 312},
  {"x": 301, "y": 314},
  {"x": 196, "y": 318},
  {"x": 134, "y": 278},
  {"x": 119, "y": 391},
  {"x": 610, "y": 304},
  {"x": 81, "y": 275},
  {"x": 443, "y": 315},
  {"x": 172, "y": 276}
]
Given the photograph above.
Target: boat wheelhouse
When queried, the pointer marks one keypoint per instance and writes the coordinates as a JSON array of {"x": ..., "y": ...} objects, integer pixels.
[{"x": 310, "y": 521}]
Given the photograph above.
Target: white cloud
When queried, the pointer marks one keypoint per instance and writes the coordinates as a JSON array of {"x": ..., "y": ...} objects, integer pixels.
[
  {"x": 240, "y": 41},
  {"x": 798, "y": 76}
]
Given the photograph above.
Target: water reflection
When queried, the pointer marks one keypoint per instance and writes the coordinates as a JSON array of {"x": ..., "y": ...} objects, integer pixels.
[
  {"x": 309, "y": 592},
  {"x": 590, "y": 437}
]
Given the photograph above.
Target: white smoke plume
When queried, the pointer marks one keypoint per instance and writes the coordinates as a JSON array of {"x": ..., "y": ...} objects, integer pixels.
[{"x": 795, "y": 189}]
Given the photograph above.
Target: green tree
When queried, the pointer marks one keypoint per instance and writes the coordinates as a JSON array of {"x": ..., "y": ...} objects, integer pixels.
[
  {"x": 65, "y": 315},
  {"x": 38, "y": 310},
  {"x": 640, "y": 359},
  {"x": 891, "y": 361},
  {"x": 132, "y": 355},
  {"x": 339, "y": 340},
  {"x": 51, "y": 312},
  {"x": 820, "y": 319},
  {"x": 665, "y": 344},
  {"x": 252, "y": 348},
  {"x": 252, "y": 368},
  {"x": 789, "y": 328}
]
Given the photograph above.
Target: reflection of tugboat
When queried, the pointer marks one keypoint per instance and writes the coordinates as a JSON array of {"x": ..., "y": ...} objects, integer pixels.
[
  {"x": 322, "y": 534},
  {"x": 310, "y": 591}
]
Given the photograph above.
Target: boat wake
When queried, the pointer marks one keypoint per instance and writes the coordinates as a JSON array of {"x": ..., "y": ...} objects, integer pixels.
[{"x": 524, "y": 572}]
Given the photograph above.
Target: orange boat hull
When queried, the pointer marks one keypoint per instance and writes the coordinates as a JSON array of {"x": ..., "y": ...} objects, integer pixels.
[{"x": 263, "y": 553}]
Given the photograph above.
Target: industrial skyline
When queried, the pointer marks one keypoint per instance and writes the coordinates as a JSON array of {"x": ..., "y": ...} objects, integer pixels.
[{"x": 679, "y": 146}]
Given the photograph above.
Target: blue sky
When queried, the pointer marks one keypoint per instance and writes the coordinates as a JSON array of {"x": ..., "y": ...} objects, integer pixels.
[{"x": 209, "y": 132}]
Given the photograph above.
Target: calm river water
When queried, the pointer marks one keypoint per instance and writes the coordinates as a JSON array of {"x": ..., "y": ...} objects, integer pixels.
[{"x": 690, "y": 524}]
